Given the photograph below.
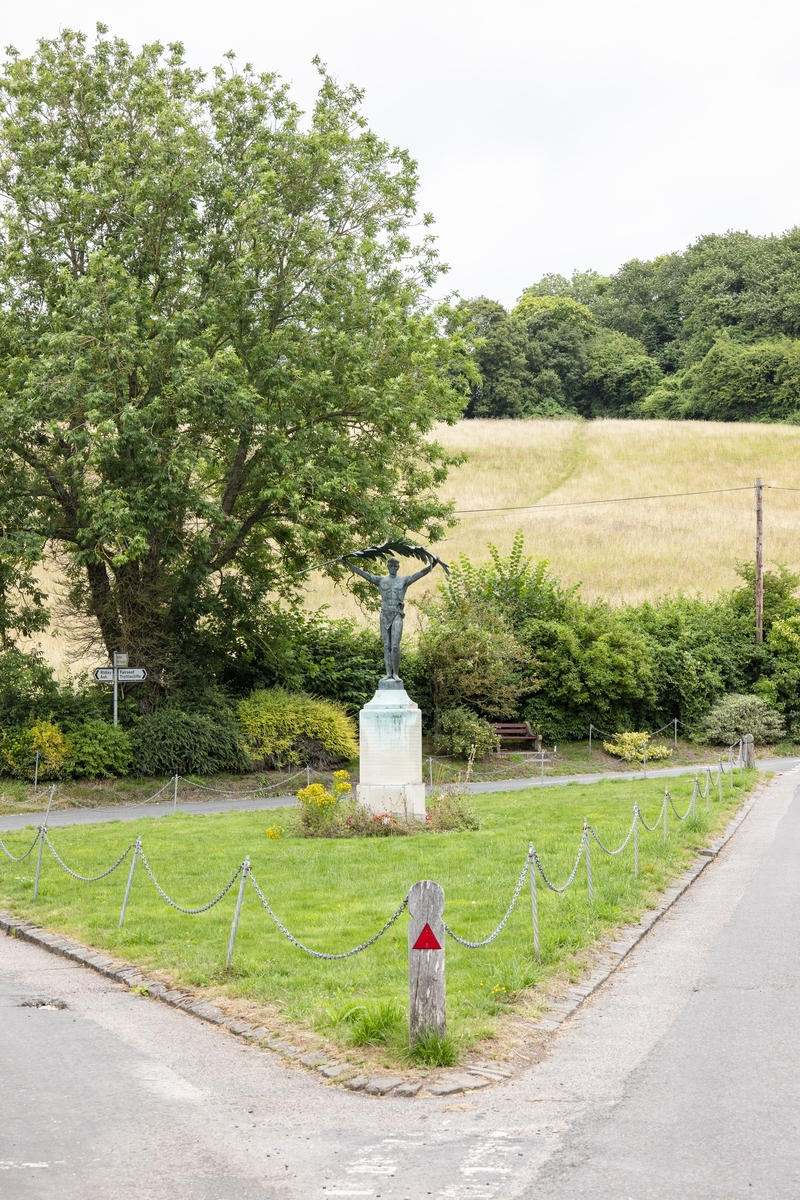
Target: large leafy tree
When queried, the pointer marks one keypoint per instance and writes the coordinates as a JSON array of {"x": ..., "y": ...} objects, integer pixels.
[
  {"x": 216, "y": 360},
  {"x": 549, "y": 357}
]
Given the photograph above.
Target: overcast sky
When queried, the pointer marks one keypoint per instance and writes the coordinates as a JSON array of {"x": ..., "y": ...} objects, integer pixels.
[{"x": 550, "y": 135}]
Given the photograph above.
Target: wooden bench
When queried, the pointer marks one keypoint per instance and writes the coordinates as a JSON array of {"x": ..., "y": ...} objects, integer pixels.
[{"x": 517, "y": 731}]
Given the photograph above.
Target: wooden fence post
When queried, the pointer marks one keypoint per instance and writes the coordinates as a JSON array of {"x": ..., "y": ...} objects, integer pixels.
[
  {"x": 426, "y": 979},
  {"x": 534, "y": 901}
]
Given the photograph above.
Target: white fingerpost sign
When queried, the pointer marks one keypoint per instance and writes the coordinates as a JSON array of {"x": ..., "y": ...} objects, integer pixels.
[
  {"x": 426, "y": 981},
  {"x": 119, "y": 673}
]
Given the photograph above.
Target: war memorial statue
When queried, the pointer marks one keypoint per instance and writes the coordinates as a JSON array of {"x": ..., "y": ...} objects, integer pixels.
[
  {"x": 390, "y": 725},
  {"x": 393, "y": 588}
]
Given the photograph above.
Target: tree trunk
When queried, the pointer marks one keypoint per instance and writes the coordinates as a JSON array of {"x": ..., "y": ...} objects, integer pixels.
[{"x": 104, "y": 607}]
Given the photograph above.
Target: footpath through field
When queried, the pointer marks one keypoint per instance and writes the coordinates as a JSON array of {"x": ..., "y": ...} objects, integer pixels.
[
  {"x": 163, "y": 808},
  {"x": 680, "y": 1077}
]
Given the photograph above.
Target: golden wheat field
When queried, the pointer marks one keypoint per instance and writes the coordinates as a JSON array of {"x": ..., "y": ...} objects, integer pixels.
[
  {"x": 629, "y": 551},
  {"x": 626, "y": 551}
]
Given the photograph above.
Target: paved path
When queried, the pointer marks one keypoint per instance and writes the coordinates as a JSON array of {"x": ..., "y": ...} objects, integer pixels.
[
  {"x": 135, "y": 812},
  {"x": 681, "y": 1077},
  {"x": 514, "y": 785}
]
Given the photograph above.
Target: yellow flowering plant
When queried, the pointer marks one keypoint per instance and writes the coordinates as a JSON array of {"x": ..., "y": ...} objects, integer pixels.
[
  {"x": 320, "y": 805},
  {"x": 18, "y": 751},
  {"x": 342, "y": 787},
  {"x": 316, "y": 796},
  {"x": 630, "y": 747}
]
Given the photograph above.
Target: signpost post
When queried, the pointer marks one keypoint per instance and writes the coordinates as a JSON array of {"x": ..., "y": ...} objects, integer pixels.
[
  {"x": 426, "y": 982},
  {"x": 119, "y": 673}
]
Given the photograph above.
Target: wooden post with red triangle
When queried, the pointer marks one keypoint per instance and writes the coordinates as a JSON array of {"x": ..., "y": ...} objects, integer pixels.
[{"x": 426, "y": 979}]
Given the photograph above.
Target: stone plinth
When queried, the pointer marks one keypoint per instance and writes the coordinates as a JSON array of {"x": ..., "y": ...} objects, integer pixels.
[{"x": 390, "y": 738}]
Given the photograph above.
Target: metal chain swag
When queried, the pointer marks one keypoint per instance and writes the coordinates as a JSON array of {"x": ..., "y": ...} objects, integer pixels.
[
  {"x": 552, "y": 887},
  {"x": 476, "y": 945},
  {"x": 319, "y": 953},
  {"x": 190, "y": 912},
  {"x": 20, "y": 857},
  {"x": 74, "y": 874}
]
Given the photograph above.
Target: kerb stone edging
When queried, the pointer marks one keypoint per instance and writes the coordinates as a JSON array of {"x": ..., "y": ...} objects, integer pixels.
[{"x": 556, "y": 1014}]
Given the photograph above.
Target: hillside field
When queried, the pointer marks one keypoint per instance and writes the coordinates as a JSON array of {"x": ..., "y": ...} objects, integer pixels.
[
  {"x": 627, "y": 551},
  {"x": 622, "y": 552}
]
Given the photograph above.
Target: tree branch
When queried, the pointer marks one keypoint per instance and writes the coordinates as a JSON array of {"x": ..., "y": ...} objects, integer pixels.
[{"x": 233, "y": 547}]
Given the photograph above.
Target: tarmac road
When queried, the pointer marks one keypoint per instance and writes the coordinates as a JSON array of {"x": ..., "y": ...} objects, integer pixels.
[{"x": 681, "y": 1077}]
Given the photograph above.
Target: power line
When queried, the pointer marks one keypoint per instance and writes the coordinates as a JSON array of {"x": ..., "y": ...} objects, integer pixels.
[{"x": 616, "y": 500}]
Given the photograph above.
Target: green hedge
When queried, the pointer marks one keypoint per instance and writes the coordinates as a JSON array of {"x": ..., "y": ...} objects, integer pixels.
[{"x": 170, "y": 742}]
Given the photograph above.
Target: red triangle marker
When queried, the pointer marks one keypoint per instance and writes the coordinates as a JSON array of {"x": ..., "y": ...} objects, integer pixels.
[{"x": 426, "y": 940}]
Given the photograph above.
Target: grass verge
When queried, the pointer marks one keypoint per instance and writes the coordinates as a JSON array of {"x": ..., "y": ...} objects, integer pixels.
[{"x": 334, "y": 894}]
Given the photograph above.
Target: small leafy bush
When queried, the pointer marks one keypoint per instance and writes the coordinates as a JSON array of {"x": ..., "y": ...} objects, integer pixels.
[
  {"x": 170, "y": 742},
  {"x": 461, "y": 730},
  {"x": 362, "y": 822},
  {"x": 282, "y": 728},
  {"x": 320, "y": 806},
  {"x": 630, "y": 747},
  {"x": 98, "y": 750},
  {"x": 733, "y": 716},
  {"x": 18, "y": 750}
]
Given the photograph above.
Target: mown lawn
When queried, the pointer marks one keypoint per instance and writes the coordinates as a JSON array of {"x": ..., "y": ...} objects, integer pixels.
[{"x": 332, "y": 894}]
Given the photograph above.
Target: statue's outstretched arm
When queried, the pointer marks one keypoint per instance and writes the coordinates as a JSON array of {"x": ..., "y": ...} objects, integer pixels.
[
  {"x": 364, "y": 574},
  {"x": 425, "y": 571}
]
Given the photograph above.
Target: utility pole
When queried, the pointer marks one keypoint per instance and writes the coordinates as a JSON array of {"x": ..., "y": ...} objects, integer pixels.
[{"x": 759, "y": 561}]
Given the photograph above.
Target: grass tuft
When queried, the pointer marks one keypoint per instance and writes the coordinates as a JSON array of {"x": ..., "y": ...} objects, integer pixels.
[
  {"x": 374, "y": 1024},
  {"x": 431, "y": 1050}
]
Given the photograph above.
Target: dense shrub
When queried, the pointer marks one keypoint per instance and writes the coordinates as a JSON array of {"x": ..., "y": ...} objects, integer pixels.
[
  {"x": 29, "y": 691},
  {"x": 19, "y": 747},
  {"x": 340, "y": 661},
  {"x": 171, "y": 742},
  {"x": 781, "y": 687},
  {"x": 281, "y": 728},
  {"x": 529, "y": 647},
  {"x": 734, "y": 716},
  {"x": 460, "y": 730},
  {"x": 97, "y": 750},
  {"x": 633, "y": 667},
  {"x": 470, "y": 656},
  {"x": 273, "y": 647}
]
